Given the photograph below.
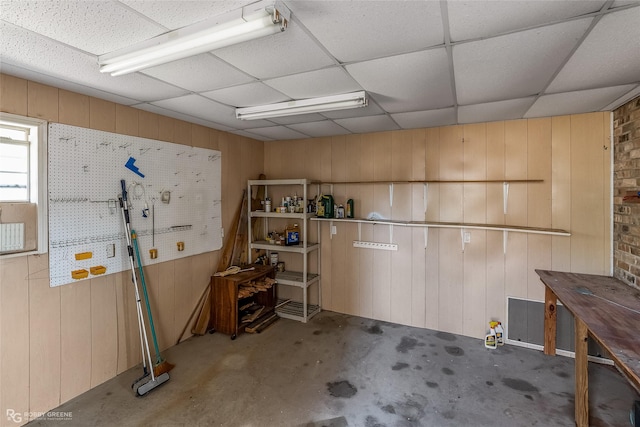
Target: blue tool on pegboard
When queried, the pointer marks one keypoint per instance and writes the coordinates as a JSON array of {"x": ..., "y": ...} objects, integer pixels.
[{"x": 133, "y": 168}]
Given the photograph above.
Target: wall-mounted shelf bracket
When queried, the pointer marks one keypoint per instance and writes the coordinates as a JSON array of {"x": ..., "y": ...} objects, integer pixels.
[
  {"x": 505, "y": 195},
  {"x": 426, "y": 236},
  {"x": 391, "y": 194},
  {"x": 425, "y": 198},
  {"x": 505, "y": 234}
]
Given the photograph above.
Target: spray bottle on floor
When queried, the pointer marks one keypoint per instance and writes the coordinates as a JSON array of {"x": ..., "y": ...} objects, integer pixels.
[
  {"x": 499, "y": 334},
  {"x": 490, "y": 339}
]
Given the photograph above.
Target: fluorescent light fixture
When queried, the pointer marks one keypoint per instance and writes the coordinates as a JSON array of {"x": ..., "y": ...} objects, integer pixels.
[
  {"x": 304, "y": 106},
  {"x": 256, "y": 20}
]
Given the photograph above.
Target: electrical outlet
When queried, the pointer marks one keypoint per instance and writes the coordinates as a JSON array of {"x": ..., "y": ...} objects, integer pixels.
[
  {"x": 334, "y": 229},
  {"x": 467, "y": 237},
  {"x": 111, "y": 250}
]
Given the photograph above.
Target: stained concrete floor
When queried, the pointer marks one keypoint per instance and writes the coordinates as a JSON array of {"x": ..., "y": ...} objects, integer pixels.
[{"x": 340, "y": 370}]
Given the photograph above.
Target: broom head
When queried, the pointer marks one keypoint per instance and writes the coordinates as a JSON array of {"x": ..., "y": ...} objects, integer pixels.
[{"x": 162, "y": 367}]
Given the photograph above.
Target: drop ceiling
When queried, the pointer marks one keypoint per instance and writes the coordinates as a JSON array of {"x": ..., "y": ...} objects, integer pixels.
[{"x": 422, "y": 63}]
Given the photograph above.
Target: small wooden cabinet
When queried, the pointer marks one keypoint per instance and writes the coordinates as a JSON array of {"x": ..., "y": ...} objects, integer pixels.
[{"x": 230, "y": 293}]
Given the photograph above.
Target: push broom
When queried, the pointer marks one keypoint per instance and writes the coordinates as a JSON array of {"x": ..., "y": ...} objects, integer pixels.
[
  {"x": 144, "y": 384},
  {"x": 161, "y": 365}
]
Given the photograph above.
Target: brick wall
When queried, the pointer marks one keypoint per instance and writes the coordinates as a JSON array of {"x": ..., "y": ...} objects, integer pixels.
[{"x": 626, "y": 179}]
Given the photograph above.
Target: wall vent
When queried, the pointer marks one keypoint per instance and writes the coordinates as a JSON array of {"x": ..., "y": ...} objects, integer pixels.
[
  {"x": 11, "y": 237},
  {"x": 525, "y": 328}
]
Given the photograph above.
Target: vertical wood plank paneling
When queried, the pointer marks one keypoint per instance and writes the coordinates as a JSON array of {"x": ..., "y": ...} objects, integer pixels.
[
  {"x": 183, "y": 277},
  {"x": 495, "y": 170},
  {"x": 14, "y": 335},
  {"x": 418, "y": 251},
  {"x": 102, "y": 115},
  {"x": 128, "y": 336},
  {"x": 516, "y": 168},
  {"x": 73, "y": 109},
  {"x": 152, "y": 279},
  {"x": 432, "y": 265},
  {"x": 474, "y": 211},
  {"x": 182, "y": 133},
  {"x": 148, "y": 124},
  {"x": 451, "y": 277},
  {"x": 104, "y": 329},
  {"x": 587, "y": 191},
  {"x": 167, "y": 128},
  {"x": 295, "y": 159},
  {"x": 607, "y": 166},
  {"x": 44, "y": 337},
  {"x": 382, "y": 146},
  {"x": 367, "y": 173},
  {"x": 495, "y": 299},
  {"x": 75, "y": 330},
  {"x": 561, "y": 191},
  {"x": 339, "y": 241},
  {"x": 353, "y": 152},
  {"x": 13, "y": 95},
  {"x": 42, "y": 101},
  {"x": 538, "y": 202},
  {"x": 166, "y": 306},
  {"x": 126, "y": 120},
  {"x": 200, "y": 136},
  {"x": 401, "y": 260}
]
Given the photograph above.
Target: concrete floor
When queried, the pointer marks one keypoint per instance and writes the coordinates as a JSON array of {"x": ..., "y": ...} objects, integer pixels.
[{"x": 340, "y": 370}]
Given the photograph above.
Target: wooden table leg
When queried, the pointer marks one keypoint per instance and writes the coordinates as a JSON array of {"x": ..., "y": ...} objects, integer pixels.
[
  {"x": 550, "y": 322},
  {"x": 582, "y": 375}
]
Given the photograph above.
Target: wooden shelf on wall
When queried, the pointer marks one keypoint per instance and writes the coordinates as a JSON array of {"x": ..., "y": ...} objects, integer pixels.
[
  {"x": 438, "y": 181},
  {"x": 458, "y": 225}
]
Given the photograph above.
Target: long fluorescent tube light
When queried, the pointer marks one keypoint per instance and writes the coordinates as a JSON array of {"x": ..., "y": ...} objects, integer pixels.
[
  {"x": 304, "y": 106},
  {"x": 256, "y": 20}
]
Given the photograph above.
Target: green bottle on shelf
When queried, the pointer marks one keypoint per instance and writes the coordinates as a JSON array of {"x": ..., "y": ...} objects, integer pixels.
[{"x": 350, "y": 212}]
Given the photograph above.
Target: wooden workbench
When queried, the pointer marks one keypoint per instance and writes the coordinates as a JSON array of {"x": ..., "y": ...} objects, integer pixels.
[{"x": 603, "y": 307}]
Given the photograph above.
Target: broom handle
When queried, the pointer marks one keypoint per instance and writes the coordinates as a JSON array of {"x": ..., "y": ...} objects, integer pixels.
[
  {"x": 144, "y": 342},
  {"x": 146, "y": 297}
]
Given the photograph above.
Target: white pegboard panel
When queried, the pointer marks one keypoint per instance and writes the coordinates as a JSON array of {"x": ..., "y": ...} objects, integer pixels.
[
  {"x": 85, "y": 170},
  {"x": 375, "y": 245}
]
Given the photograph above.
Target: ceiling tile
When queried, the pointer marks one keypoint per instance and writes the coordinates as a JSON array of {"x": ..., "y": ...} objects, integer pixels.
[
  {"x": 368, "y": 124},
  {"x": 494, "y": 111},
  {"x": 425, "y": 119},
  {"x": 372, "y": 29},
  {"x": 320, "y": 129},
  {"x": 514, "y": 65},
  {"x": 583, "y": 101},
  {"x": 278, "y": 133},
  {"x": 96, "y": 27},
  {"x": 487, "y": 18},
  {"x": 198, "y": 106},
  {"x": 251, "y": 135},
  {"x": 413, "y": 81},
  {"x": 276, "y": 55},
  {"x": 370, "y": 110},
  {"x": 623, "y": 99},
  {"x": 248, "y": 95},
  {"x": 298, "y": 118},
  {"x": 26, "y": 50},
  {"x": 325, "y": 82},
  {"x": 46, "y": 79},
  {"x": 611, "y": 53},
  {"x": 180, "y": 13},
  {"x": 176, "y": 115},
  {"x": 198, "y": 73}
]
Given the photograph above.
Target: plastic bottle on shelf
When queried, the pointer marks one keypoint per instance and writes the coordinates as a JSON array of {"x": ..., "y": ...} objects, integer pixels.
[{"x": 350, "y": 212}]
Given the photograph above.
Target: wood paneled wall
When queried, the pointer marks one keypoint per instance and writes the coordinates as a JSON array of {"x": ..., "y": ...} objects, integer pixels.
[
  {"x": 56, "y": 343},
  {"x": 441, "y": 286}
]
